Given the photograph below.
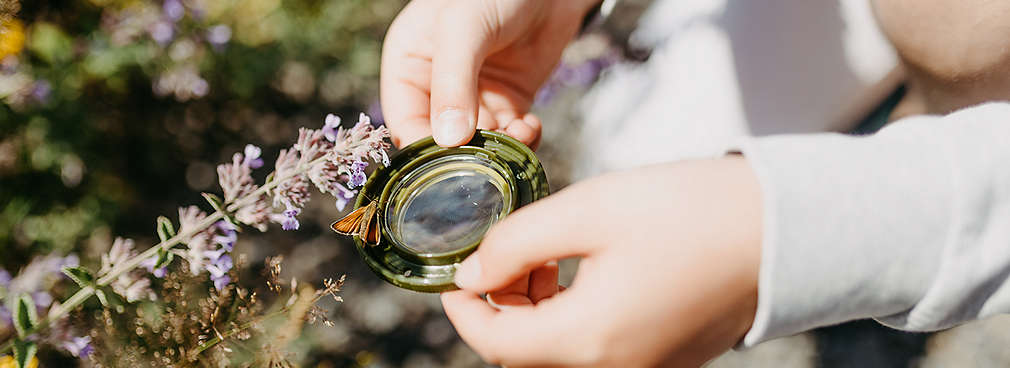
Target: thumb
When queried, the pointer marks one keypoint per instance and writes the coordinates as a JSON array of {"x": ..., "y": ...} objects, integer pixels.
[
  {"x": 460, "y": 46},
  {"x": 540, "y": 232}
]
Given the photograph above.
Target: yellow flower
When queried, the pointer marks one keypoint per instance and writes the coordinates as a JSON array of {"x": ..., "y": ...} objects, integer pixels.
[
  {"x": 7, "y": 361},
  {"x": 12, "y": 39}
]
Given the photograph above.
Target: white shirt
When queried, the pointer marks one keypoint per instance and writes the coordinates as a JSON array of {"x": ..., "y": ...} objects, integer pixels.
[
  {"x": 724, "y": 69},
  {"x": 910, "y": 226}
]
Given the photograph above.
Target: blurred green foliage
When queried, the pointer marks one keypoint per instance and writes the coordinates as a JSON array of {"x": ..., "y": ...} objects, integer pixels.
[
  {"x": 108, "y": 121},
  {"x": 115, "y": 111}
]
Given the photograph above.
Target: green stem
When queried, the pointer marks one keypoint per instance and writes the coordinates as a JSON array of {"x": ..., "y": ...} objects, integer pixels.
[
  {"x": 86, "y": 292},
  {"x": 151, "y": 252},
  {"x": 254, "y": 195},
  {"x": 217, "y": 339}
]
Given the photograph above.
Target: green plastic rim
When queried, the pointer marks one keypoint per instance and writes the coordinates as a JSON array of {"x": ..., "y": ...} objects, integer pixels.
[{"x": 511, "y": 168}]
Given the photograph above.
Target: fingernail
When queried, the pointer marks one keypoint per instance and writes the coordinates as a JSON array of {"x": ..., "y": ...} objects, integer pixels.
[
  {"x": 453, "y": 128},
  {"x": 468, "y": 273}
]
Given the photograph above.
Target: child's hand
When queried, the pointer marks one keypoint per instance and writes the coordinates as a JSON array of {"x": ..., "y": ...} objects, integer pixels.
[
  {"x": 450, "y": 66},
  {"x": 669, "y": 271}
]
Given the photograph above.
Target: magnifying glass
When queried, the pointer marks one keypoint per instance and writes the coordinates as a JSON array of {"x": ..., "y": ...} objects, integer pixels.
[{"x": 433, "y": 206}]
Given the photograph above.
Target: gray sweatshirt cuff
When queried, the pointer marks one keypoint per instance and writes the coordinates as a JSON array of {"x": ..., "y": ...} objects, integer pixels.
[{"x": 910, "y": 226}]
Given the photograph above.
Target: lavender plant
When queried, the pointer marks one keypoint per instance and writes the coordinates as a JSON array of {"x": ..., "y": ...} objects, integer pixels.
[{"x": 331, "y": 159}]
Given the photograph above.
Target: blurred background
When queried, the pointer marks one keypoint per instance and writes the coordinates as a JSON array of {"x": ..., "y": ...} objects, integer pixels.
[{"x": 116, "y": 111}]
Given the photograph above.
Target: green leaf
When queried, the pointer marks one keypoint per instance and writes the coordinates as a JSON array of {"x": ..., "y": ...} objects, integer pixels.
[
  {"x": 110, "y": 299},
  {"x": 270, "y": 178},
  {"x": 165, "y": 228},
  {"x": 80, "y": 275},
  {"x": 233, "y": 221},
  {"x": 215, "y": 202},
  {"x": 50, "y": 43},
  {"x": 25, "y": 317},
  {"x": 101, "y": 298},
  {"x": 164, "y": 258},
  {"x": 24, "y": 351}
]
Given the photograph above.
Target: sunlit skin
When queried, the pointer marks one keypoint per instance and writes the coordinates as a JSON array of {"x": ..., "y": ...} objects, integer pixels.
[
  {"x": 480, "y": 61},
  {"x": 667, "y": 277},
  {"x": 956, "y": 52},
  {"x": 633, "y": 278},
  {"x": 671, "y": 252}
]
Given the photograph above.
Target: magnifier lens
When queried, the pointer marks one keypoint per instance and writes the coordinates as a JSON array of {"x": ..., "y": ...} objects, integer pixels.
[
  {"x": 447, "y": 204},
  {"x": 437, "y": 203}
]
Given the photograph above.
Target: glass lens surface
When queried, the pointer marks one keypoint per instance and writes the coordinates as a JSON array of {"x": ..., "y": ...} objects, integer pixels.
[{"x": 446, "y": 206}]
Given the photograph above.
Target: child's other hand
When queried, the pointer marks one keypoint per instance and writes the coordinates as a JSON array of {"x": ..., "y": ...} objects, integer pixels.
[
  {"x": 450, "y": 66},
  {"x": 669, "y": 271}
]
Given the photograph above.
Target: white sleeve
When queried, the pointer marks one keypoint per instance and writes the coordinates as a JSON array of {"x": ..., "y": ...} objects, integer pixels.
[{"x": 910, "y": 226}]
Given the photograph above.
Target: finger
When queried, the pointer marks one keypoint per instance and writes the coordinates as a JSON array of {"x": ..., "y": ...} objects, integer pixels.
[
  {"x": 526, "y": 239},
  {"x": 524, "y": 131},
  {"x": 512, "y": 295},
  {"x": 533, "y": 335},
  {"x": 404, "y": 83},
  {"x": 502, "y": 301},
  {"x": 405, "y": 109},
  {"x": 485, "y": 120},
  {"x": 454, "y": 71},
  {"x": 543, "y": 282},
  {"x": 534, "y": 123},
  {"x": 408, "y": 131},
  {"x": 500, "y": 101},
  {"x": 519, "y": 286}
]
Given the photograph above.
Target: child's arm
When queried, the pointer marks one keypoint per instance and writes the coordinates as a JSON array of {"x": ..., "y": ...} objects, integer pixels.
[{"x": 910, "y": 226}]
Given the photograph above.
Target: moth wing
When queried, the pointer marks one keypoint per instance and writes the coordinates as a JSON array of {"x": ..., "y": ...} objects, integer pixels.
[
  {"x": 369, "y": 227},
  {"x": 373, "y": 236},
  {"x": 350, "y": 224}
]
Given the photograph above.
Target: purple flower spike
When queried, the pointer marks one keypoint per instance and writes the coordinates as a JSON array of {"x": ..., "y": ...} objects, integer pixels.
[
  {"x": 221, "y": 282},
  {"x": 375, "y": 111},
  {"x": 290, "y": 222},
  {"x": 252, "y": 157},
  {"x": 358, "y": 176},
  {"x": 344, "y": 196},
  {"x": 220, "y": 266},
  {"x": 219, "y": 271},
  {"x": 5, "y": 316},
  {"x": 42, "y": 299},
  {"x": 5, "y": 278},
  {"x": 70, "y": 260},
  {"x": 219, "y": 35},
  {"x": 41, "y": 91},
  {"x": 358, "y": 179},
  {"x": 228, "y": 237},
  {"x": 173, "y": 10},
  {"x": 78, "y": 346},
  {"x": 214, "y": 255},
  {"x": 150, "y": 263},
  {"x": 227, "y": 240},
  {"x": 225, "y": 226},
  {"x": 330, "y": 127},
  {"x": 162, "y": 32}
]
